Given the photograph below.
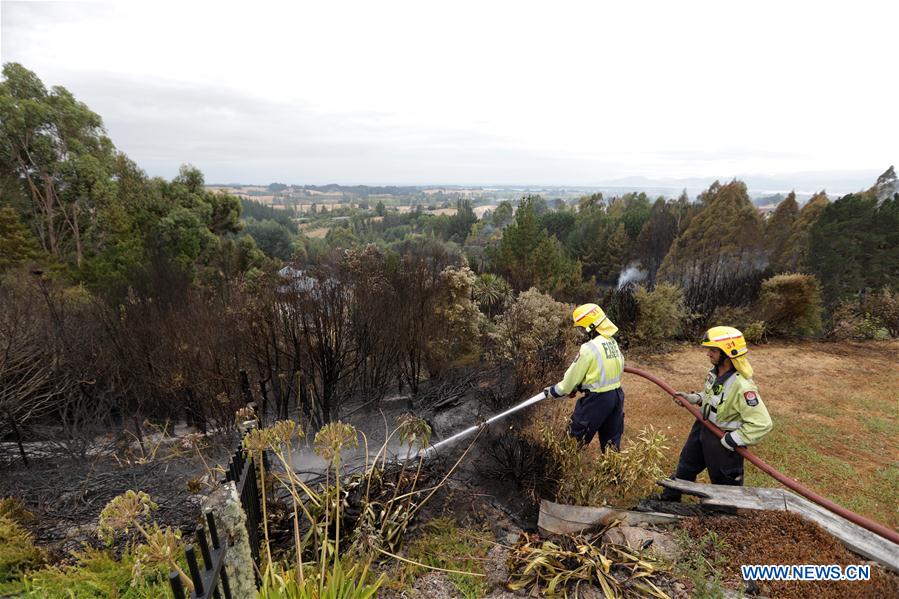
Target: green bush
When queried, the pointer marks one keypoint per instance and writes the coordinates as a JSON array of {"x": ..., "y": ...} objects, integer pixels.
[
  {"x": 99, "y": 574},
  {"x": 535, "y": 335},
  {"x": 755, "y": 332},
  {"x": 17, "y": 555},
  {"x": 661, "y": 313},
  {"x": 791, "y": 304},
  {"x": 609, "y": 477}
]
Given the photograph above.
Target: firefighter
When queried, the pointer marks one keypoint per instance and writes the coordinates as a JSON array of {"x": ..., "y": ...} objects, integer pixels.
[
  {"x": 731, "y": 401},
  {"x": 597, "y": 372}
]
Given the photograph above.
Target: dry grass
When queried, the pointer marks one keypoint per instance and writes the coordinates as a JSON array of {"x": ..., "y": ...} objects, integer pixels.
[{"x": 835, "y": 408}]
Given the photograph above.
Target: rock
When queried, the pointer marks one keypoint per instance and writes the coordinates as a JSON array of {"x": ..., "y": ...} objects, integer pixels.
[
  {"x": 496, "y": 569},
  {"x": 660, "y": 543},
  {"x": 434, "y": 585}
]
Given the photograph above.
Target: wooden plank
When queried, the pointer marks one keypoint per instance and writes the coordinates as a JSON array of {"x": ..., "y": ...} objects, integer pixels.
[
  {"x": 559, "y": 518},
  {"x": 857, "y": 539}
]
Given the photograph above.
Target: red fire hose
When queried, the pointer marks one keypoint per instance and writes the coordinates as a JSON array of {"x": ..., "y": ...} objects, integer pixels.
[{"x": 874, "y": 527}]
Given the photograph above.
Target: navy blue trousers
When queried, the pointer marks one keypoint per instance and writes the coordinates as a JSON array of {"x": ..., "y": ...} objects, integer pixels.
[
  {"x": 703, "y": 451},
  {"x": 599, "y": 413}
]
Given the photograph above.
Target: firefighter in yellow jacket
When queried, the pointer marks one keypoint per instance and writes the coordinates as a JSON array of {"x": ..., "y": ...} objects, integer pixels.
[
  {"x": 731, "y": 401},
  {"x": 597, "y": 372}
]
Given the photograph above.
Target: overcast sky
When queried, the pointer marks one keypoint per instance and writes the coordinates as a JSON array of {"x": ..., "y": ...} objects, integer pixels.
[{"x": 484, "y": 92}]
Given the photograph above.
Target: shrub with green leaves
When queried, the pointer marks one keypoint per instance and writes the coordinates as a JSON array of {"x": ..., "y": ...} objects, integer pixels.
[
  {"x": 791, "y": 304},
  {"x": 17, "y": 551},
  {"x": 661, "y": 313},
  {"x": 583, "y": 478}
]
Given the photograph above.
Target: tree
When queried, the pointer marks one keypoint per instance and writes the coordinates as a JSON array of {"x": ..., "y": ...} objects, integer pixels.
[
  {"x": 58, "y": 150},
  {"x": 612, "y": 260},
  {"x": 791, "y": 304},
  {"x": 655, "y": 238},
  {"x": 503, "y": 214},
  {"x": 460, "y": 223},
  {"x": 527, "y": 256},
  {"x": 779, "y": 233},
  {"x": 492, "y": 292},
  {"x": 794, "y": 257},
  {"x": 853, "y": 246},
  {"x": 722, "y": 245},
  {"x": 272, "y": 238},
  {"x": 17, "y": 244}
]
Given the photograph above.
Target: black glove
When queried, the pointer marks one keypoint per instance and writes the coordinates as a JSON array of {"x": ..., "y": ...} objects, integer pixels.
[{"x": 550, "y": 392}]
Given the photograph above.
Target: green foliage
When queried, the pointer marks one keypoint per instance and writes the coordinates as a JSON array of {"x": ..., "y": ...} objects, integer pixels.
[
  {"x": 99, "y": 574},
  {"x": 258, "y": 211},
  {"x": 445, "y": 545},
  {"x": 661, "y": 313},
  {"x": 703, "y": 564},
  {"x": 529, "y": 257},
  {"x": 455, "y": 320},
  {"x": 854, "y": 246},
  {"x": 794, "y": 256},
  {"x": 18, "y": 553},
  {"x": 791, "y": 304},
  {"x": 723, "y": 240},
  {"x": 503, "y": 214},
  {"x": 271, "y": 237},
  {"x": 492, "y": 293},
  {"x": 532, "y": 325},
  {"x": 779, "y": 234},
  {"x": 17, "y": 244},
  {"x": 610, "y": 477},
  {"x": 337, "y": 583}
]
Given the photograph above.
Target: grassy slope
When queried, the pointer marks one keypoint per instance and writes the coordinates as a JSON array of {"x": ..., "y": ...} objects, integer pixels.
[{"x": 835, "y": 408}]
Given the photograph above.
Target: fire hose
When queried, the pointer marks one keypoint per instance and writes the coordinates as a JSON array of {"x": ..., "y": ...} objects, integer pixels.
[{"x": 875, "y": 527}]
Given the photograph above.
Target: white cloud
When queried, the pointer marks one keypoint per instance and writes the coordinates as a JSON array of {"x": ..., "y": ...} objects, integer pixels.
[{"x": 474, "y": 92}]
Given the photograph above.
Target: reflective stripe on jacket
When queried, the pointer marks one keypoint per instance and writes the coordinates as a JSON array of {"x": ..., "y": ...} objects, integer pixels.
[
  {"x": 735, "y": 405},
  {"x": 598, "y": 368}
]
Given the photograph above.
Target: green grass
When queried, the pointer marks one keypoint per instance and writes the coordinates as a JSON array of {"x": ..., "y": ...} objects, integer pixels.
[
  {"x": 702, "y": 563},
  {"x": 880, "y": 426},
  {"x": 826, "y": 457},
  {"x": 443, "y": 544}
]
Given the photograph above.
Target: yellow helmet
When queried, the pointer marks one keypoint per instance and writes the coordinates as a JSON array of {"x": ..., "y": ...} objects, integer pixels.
[
  {"x": 727, "y": 339},
  {"x": 588, "y": 317}
]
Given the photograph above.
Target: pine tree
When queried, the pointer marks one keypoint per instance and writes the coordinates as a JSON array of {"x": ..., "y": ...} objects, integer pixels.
[
  {"x": 779, "y": 232},
  {"x": 726, "y": 235},
  {"x": 17, "y": 244},
  {"x": 794, "y": 256},
  {"x": 612, "y": 260}
]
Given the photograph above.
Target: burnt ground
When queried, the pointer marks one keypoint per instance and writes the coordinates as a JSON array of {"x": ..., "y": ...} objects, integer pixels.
[
  {"x": 786, "y": 538},
  {"x": 67, "y": 495}
]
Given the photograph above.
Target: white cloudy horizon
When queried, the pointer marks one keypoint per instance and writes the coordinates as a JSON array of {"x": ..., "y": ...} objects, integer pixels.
[{"x": 471, "y": 93}]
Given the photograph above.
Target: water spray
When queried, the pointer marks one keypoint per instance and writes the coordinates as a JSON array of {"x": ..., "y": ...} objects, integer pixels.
[{"x": 429, "y": 451}]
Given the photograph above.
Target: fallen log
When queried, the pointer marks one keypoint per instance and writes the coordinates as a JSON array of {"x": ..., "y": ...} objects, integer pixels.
[
  {"x": 562, "y": 519},
  {"x": 853, "y": 536}
]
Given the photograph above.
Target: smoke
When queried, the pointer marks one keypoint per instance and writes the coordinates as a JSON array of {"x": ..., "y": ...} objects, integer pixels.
[{"x": 631, "y": 274}]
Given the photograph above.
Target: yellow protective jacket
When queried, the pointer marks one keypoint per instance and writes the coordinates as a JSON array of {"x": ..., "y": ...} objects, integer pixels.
[
  {"x": 735, "y": 406},
  {"x": 598, "y": 368}
]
